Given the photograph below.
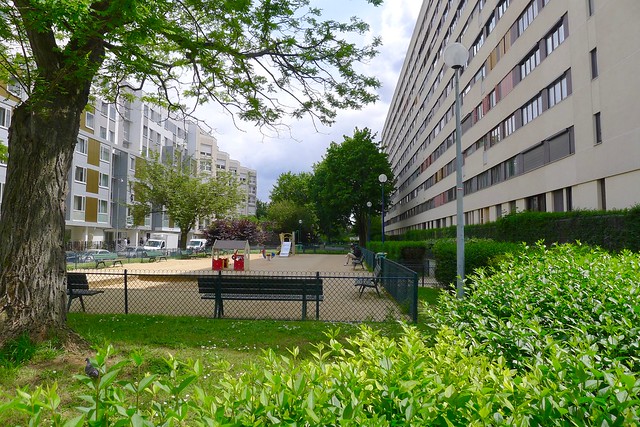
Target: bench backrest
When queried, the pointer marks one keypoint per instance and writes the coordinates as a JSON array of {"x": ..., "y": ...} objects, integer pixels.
[
  {"x": 377, "y": 271},
  {"x": 261, "y": 285},
  {"x": 77, "y": 281},
  {"x": 102, "y": 257}
]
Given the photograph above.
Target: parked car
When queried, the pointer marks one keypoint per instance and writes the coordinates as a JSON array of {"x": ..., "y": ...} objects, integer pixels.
[
  {"x": 90, "y": 254},
  {"x": 72, "y": 256},
  {"x": 133, "y": 252}
]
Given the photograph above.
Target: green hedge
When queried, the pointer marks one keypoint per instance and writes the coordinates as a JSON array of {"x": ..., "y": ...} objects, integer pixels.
[
  {"x": 477, "y": 254},
  {"x": 612, "y": 230},
  {"x": 399, "y": 250}
]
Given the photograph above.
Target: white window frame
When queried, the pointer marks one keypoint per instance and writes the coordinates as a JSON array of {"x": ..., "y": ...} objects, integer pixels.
[
  {"x": 105, "y": 153},
  {"x": 5, "y": 117},
  {"x": 79, "y": 203},
  {"x": 82, "y": 145},
  {"x": 103, "y": 180},
  {"x": 80, "y": 174},
  {"x": 89, "y": 120}
]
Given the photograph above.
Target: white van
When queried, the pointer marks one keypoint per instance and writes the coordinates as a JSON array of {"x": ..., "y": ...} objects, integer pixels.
[{"x": 197, "y": 245}]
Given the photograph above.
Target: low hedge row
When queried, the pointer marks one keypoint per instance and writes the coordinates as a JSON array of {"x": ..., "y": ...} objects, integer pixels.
[
  {"x": 478, "y": 253},
  {"x": 612, "y": 230}
]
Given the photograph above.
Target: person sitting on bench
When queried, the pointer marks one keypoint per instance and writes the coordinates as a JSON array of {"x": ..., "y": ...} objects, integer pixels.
[{"x": 355, "y": 254}]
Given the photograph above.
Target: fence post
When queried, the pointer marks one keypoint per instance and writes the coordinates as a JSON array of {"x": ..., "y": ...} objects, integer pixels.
[
  {"x": 414, "y": 303},
  {"x": 126, "y": 293}
]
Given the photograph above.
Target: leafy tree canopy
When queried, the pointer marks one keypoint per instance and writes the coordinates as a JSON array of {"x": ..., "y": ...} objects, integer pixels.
[
  {"x": 293, "y": 187},
  {"x": 286, "y": 216},
  {"x": 240, "y": 54},
  {"x": 172, "y": 186},
  {"x": 347, "y": 178}
]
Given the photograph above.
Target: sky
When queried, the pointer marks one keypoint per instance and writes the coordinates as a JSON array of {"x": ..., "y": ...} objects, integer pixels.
[{"x": 304, "y": 144}]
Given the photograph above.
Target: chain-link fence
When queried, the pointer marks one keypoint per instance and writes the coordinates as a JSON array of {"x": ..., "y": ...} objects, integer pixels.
[{"x": 178, "y": 294}]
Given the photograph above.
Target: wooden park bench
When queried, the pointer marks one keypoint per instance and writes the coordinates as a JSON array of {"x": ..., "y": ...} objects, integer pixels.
[
  {"x": 156, "y": 256},
  {"x": 370, "y": 282},
  {"x": 78, "y": 287},
  {"x": 263, "y": 288},
  {"x": 102, "y": 259}
]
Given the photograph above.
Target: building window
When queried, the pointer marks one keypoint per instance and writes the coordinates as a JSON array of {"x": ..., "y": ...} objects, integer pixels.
[
  {"x": 527, "y": 17},
  {"x": 104, "y": 109},
  {"x": 502, "y": 7},
  {"x": 78, "y": 203},
  {"x": 103, "y": 211},
  {"x": 112, "y": 136},
  {"x": 509, "y": 125},
  {"x": 594, "y": 63},
  {"x": 598, "y": 127},
  {"x": 80, "y": 174},
  {"x": 81, "y": 145},
  {"x": 558, "y": 201},
  {"x": 530, "y": 63},
  {"x": 104, "y": 180},
  {"x": 558, "y": 91},
  {"x": 555, "y": 38},
  {"x": 495, "y": 136},
  {"x": 103, "y": 132},
  {"x": 89, "y": 120},
  {"x": 531, "y": 110},
  {"x": 537, "y": 203},
  {"x": 132, "y": 163},
  {"x": 5, "y": 117},
  {"x": 105, "y": 153}
]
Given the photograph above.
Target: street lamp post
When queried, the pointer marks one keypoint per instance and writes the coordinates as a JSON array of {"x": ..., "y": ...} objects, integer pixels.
[
  {"x": 456, "y": 56},
  {"x": 369, "y": 204},
  {"x": 300, "y": 230},
  {"x": 382, "y": 178}
]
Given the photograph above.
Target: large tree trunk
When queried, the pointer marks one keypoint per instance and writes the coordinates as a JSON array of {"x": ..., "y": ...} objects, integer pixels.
[{"x": 42, "y": 139}]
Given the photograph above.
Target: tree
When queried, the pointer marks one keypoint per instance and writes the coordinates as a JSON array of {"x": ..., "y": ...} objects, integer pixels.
[
  {"x": 293, "y": 187},
  {"x": 291, "y": 202},
  {"x": 236, "y": 229},
  {"x": 286, "y": 216},
  {"x": 262, "y": 60},
  {"x": 261, "y": 209},
  {"x": 171, "y": 186},
  {"x": 347, "y": 178}
]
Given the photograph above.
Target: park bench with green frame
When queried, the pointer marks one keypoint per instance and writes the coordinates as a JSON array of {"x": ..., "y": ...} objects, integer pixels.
[
  {"x": 102, "y": 259},
  {"x": 261, "y": 288},
  {"x": 156, "y": 256}
]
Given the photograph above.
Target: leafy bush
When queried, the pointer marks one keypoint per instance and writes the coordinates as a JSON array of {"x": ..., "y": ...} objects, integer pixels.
[
  {"x": 477, "y": 254},
  {"x": 372, "y": 381},
  {"x": 396, "y": 250},
  {"x": 550, "y": 338}
]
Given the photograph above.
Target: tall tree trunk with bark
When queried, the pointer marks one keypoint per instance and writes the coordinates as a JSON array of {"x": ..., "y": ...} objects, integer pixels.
[{"x": 42, "y": 139}]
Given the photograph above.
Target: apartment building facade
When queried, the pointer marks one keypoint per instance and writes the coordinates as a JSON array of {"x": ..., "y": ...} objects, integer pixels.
[
  {"x": 549, "y": 111},
  {"x": 111, "y": 142}
]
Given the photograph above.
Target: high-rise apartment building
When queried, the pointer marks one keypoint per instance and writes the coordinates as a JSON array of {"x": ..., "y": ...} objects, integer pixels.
[
  {"x": 550, "y": 111},
  {"x": 110, "y": 144}
]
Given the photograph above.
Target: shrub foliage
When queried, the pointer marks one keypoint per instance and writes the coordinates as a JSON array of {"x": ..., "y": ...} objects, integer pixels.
[{"x": 550, "y": 338}]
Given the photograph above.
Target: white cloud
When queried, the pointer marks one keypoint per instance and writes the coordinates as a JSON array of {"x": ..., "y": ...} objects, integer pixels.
[{"x": 305, "y": 144}]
